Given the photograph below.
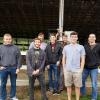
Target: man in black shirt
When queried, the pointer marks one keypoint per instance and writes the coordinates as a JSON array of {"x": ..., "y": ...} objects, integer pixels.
[
  {"x": 53, "y": 57},
  {"x": 91, "y": 65}
]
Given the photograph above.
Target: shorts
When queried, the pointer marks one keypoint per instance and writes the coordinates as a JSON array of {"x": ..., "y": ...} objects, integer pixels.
[{"x": 73, "y": 78}]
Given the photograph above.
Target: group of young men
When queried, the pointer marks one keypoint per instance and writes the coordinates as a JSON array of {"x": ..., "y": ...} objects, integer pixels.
[{"x": 67, "y": 63}]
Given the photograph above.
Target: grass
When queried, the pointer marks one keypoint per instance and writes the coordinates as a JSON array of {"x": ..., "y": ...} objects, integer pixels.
[{"x": 23, "y": 94}]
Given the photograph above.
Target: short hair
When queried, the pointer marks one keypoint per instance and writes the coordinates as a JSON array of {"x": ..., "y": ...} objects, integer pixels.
[
  {"x": 41, "y": 33},
  {"x": 65, "y": 35},
  {"x": 74, "y": 33},
  {"x": 7, "y": 34},
  {"x": 92, "y": 34},
  {"x": 52, "y": 34},
  {"x": 37, "y": 39}
]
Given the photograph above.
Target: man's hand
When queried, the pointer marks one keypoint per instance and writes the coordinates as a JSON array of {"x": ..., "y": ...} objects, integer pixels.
[
  {"x": 37, "y": 71},
  {"x": 81, "y": 70},
  {"x": 58, "y": 62},
  {"x": 48, "y": 66},
  {"x": 1, "y": 68},
  {"x": 17, "y": 71},
  {"x": 34, "y": 73}
]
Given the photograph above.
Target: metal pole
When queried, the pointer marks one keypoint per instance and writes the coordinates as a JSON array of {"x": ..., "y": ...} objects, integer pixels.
[{"x": 61, "y": 18}]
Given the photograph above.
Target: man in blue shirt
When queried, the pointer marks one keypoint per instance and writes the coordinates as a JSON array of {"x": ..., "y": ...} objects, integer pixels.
[{"x": 73, "y": 64}]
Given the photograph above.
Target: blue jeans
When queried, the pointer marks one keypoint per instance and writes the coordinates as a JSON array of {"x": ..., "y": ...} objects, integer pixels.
[
  {"x": 0, "y": 85},
  {"x": 60, "y": 78},
  {"x": 94, "y": 79},
  {"x": 53, "y": 79},
  {"x": 11, "y": 71}
]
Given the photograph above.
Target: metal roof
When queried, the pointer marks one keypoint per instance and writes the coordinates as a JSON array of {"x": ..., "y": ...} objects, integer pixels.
[{"x": 22, "y": 18}]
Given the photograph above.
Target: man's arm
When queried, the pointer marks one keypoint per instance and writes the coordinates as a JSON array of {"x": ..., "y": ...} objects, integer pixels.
[
  {"x": 0, "y": 57},
  {"x": 43, "y": 62},
  {"x": 82, "y": 62},
  {"x": 1, "y": 67},
  {"x": 46, "y": 57},
  {"x": 63, "y": 60},
  {"x": 18, "y": 58},
  {"x": 63, "y": 57},
  {"x": 31, "y": 45},
  {"x": 60, "y": 55},
  {"x": 28, "y": 62}
]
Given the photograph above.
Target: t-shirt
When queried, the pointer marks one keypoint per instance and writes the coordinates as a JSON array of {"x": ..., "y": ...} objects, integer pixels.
[
  {"x": 73, "y": 54},
  {"x": 36, "y": 55}
]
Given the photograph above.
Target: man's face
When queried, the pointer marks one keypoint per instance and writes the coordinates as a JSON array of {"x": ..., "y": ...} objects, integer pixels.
[
  {"x": 37, "y": 43},
  {"x": 74, "y": 38},
  {"x": 92, "y": 38},
  {"x": 41, "y": 37},
  {"x": 64, "y": 39},
  {"x": 7, "y": 40},
  {"x": 52, "y": 39}
]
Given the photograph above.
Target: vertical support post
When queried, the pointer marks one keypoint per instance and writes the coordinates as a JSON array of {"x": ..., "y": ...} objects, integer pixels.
[{"x": 61, "y": 18}]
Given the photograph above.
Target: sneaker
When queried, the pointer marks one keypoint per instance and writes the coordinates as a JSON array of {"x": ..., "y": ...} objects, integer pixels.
[
  {"x": 56, "y": 93},
  {"x": 14, "y": 98},
  {"x": 59, "y": 91},
  {"x": 50, "y": 91}
]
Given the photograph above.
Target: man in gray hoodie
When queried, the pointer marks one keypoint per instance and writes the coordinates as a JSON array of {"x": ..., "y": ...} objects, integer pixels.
[
  {"x": 10, "y": 63},
  {"x": 35, "y": 60}
]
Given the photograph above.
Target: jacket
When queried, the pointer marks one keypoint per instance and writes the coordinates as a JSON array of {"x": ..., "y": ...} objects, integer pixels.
[
  {"x": 10, "y": 56},
  {"x": 92, "y": 56},
  {"x": 53, "y": 57},
  {"x": 30, "y": 61}
]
